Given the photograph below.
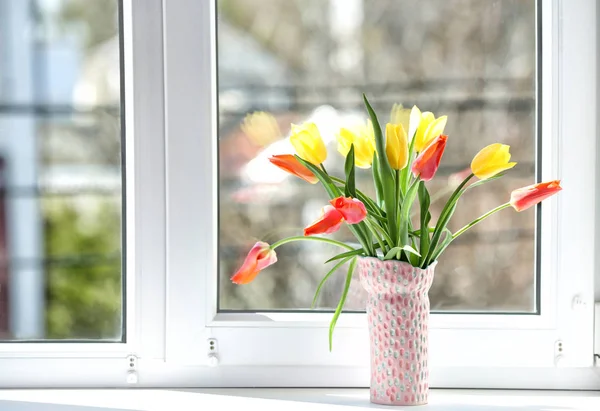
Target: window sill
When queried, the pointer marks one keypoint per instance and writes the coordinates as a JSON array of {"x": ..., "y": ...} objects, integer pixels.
[{"x": 289, "y": 399}]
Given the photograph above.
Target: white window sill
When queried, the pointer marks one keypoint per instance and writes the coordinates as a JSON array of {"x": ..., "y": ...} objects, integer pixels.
[{"x": 287, "y": 399}]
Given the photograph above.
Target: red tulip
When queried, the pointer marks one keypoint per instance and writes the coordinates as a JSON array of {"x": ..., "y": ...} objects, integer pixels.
[
  {"x": 329, "y": 222},
  {"x": 428, "y": 161},
  {"x": 525, "y": 197},
  {"x": 353, "y": 210},
  {"x": 290, "y": 163},
  {"x": 260, "y": 256}
]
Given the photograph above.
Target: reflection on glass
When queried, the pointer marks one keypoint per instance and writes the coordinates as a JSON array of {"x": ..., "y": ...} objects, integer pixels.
[
  {"x": 60, "y": 169},
  {"x": 292, "y": 62}
]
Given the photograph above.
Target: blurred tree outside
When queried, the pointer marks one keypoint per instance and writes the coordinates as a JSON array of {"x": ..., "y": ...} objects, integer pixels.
[
  {"x": 84, "y": 289},
  {"x": 83, "y": 230}
]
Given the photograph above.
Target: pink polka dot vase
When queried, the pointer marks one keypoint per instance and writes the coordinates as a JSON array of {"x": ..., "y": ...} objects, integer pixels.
[{"x": 398, "y": 316}]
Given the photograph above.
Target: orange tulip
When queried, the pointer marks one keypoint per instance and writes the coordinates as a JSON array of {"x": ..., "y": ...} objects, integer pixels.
[
  {"x": 260, "y": 257},
  {"x": 329, "y": 222},
  {"x": 525, "y": 197},
  {"x": 428, "y": 161},
  {"x": 352, "y": 209},
  {"x": 290, "y": 163}
]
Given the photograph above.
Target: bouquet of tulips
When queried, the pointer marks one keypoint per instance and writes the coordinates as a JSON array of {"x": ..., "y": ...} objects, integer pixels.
[{"x": 402, "y": 160}]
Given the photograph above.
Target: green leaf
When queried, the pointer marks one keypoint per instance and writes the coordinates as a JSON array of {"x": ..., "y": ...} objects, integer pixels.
[
  {"x": 411, "y": 250},
  {"x": 350, "y": 179},
  {"x": 445, "y": 243},
  {"x": 377, "y": 181},
  {"x": 405, "y": 173},
  {"x": 407, "y": 203},
  {"x": 385, "y": 172},
  {"x": 444, "y": 218},
  {"x": 425, "y": 202},
  {"x": 324, "y": 178},
  {"x": 395, "y": 252},
  {"x": 439, "y": 230},
  {"x": 338, "y": 310},
  {"x": 333, "y": 270},
  {"x": 352, "y": 253}
]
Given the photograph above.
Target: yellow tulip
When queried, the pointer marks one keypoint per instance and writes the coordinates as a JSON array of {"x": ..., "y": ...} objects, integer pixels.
[
  {"x": 429, "y": 128},
  {"x": 415, "y": 121},
  {"x": 308, "y": 143},
  {"x": 410, "y": 119},
  {"x": 400, "y": 115},
  {"x": 363, "y": 139},
  {"x": 491, "y": 160},
  {"x": 396, "y": 146},
  {"x": 261, "y": 128}
]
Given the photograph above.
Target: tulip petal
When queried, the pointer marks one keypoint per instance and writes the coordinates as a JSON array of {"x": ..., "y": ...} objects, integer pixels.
[
  {"x": 329, "y": 222},
  {"x": 491, "y": 160},
  {"x": 290, "y": 163},
  {"x": 396, "y": 146},
  {"x": 352, "y": 209},
  {"x": 364, "y": 144},
  {"x": 523, "y": 198},
  {"x": 428, "y": 161},
  {"x": 427, "y": 118},
  {"x": 435, "y": 129},
  {"x": 259, "y": 257},
  {"x": 415, "y": 121},
  {"x": 308, "y": 143}
]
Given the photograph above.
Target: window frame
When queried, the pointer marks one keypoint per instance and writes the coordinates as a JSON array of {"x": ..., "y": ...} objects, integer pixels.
[
  {"x": 525, "y": 343},
  {"x": 88, "y": 362},
  {"x": 172, "y": 254}
]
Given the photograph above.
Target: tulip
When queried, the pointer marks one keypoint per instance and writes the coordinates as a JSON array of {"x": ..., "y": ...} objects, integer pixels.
[
  {"x": 308, "y": 143},
  {"x": 409, "y": 119},
  {"x": 525, "y": 197},
  {"x": 261, "y": 128},
  {"x": 400, "y": 115},
  {"x": 260, "y": 257},
  {"x": 396, "y": 146},
  {"x": 429, "y": 129},
  {"x": 352, "y": 209},
  {"x": 329, "y": 222},
  {"x": 290, "y": 163},
  {"x": 428, "y": 161},
  {"x": 491, "y": 160},
  {"x": 363, "y": 139}
]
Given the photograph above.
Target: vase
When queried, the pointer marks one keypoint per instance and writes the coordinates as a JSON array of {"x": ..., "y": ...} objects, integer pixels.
[{"x": 398, "y": 316}]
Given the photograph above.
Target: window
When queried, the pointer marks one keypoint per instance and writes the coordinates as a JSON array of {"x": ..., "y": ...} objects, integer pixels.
[
  {"x": 180, "y": 106},
  {"x": 60, "y": 209},
  {"x": 474, "y": 61}
]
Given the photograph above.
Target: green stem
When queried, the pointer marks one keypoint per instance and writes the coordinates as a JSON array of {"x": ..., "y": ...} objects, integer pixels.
[
  {"x": 477, "y": 220},
  {"x": 323, "y": 168},
  {"x": 398, "y": 188},
  {"x": 303, "y": 238}
]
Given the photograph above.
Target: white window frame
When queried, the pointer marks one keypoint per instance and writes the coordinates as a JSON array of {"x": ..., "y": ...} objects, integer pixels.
[
  {"x": 474, "y": 347},
  {"x": 172, "y": 253}
]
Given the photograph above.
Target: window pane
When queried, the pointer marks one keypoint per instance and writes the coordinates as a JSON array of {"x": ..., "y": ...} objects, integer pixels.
[
  {"x": 473, "y": 60},
  {"x": 60, "y": 163}
]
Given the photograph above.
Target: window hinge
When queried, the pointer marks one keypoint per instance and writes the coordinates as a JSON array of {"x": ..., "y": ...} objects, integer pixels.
[
  {"x": 132, "y": 373},
  {"x": 212, "y": 352},
  {"x": 559, "y": 349}
]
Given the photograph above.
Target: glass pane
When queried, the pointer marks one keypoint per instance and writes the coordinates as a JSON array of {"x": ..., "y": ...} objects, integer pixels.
[
  {"x": 472, "y": 60},
  {"x": 60, "y": 163}
]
